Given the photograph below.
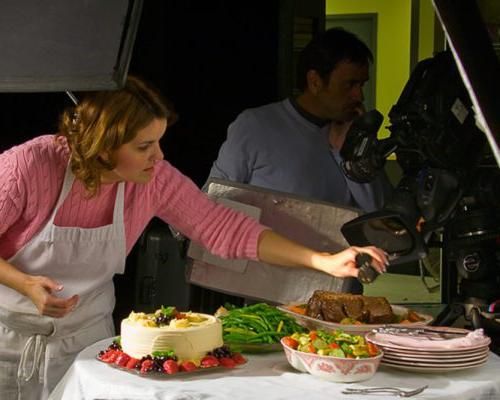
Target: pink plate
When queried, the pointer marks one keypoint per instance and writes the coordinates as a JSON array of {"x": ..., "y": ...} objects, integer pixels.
[
  {"x": 435, "y": 360},
  {"x": 389, "y": 342},
  {"x": 433, "y": 356},
  {"x": 441, "y": 353},
  {"x": 435, "y": 367}
]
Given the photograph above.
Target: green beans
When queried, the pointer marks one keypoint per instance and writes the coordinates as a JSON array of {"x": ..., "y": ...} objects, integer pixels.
[{"x": 258, "y": 323}]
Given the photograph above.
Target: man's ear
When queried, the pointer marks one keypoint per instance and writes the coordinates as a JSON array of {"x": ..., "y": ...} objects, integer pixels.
[{"x": 314, "y": 81}]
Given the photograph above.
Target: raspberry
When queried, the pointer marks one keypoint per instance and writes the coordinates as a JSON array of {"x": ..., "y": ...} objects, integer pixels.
[
  {"x": 170, "y": 367},
  {"x": 238, "y": 358},
  {"x": 227, "y": 362},
  {"x": 146, "y": 366},
  {"x": 209, "y": 361},
  {"x": 188, "y": 366}
]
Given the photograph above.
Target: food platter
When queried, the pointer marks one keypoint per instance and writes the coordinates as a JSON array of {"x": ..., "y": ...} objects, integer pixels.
[
  {"x": 314, "y": 323},
  {"x": 164, "y": 365},
  {"x": 179, "y": 375}
]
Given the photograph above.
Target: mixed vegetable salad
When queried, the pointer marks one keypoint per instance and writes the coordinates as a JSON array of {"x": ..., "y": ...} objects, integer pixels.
[{"x": 336, "y": 344}]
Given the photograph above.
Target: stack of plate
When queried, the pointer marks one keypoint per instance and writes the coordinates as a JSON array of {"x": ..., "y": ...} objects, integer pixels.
[{"x": 438, "y": 349}]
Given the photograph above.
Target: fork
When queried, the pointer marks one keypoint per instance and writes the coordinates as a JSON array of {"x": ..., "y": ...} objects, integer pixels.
[
  {"x": 391, "y": 390},
  {"x": 418, "y": 331}
]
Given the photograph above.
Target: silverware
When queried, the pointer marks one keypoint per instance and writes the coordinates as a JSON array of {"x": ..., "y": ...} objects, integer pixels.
[
  {"x": 391, "y": 390},
  {"x": 420, "y": 331}
]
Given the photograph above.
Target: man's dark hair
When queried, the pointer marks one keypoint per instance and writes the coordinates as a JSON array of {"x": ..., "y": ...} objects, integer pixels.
[{"x": 326, "y": 50}]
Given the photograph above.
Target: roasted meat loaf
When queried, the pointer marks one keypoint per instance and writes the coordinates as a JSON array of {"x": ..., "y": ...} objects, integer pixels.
[{"x": 334, "y": 307}]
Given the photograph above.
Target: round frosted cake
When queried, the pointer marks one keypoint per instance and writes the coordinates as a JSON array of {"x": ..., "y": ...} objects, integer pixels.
[{"x": 189, "y": 335}]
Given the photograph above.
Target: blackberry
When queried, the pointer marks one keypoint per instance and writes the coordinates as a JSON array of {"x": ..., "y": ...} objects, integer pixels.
[
  {"x": 220, "y": 352},
  {"x": 158, "y": 363},
  {"x": 162, "y": 320},
  {"x": 115, "y": 346},
  {"x": 101, "y": 353}
]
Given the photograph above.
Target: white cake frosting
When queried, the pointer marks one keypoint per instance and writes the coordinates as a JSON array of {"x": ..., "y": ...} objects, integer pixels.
[{"x": 190, "y": 338}]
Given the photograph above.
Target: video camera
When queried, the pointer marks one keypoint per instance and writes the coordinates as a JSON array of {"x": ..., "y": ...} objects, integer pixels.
[{"x": 441, "y": 152}]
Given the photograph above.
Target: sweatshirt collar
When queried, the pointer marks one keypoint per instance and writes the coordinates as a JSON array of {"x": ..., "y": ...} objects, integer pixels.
[{"x": 319, "y": 122}]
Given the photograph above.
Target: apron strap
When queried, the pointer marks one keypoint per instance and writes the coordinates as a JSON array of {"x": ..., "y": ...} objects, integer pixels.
[
  {"x": 66, "y": 187},
  {"x": 34, "y": 352},
  {"x": 119, "y": 204}
]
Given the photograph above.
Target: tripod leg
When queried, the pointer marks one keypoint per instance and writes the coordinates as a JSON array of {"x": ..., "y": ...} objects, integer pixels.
[
  {"x": 449, "y": 315},
  {"x": 475, "y": 317}
]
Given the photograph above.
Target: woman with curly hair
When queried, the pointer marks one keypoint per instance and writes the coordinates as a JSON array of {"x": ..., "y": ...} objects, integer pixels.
[{"x": 72, "y": 205}]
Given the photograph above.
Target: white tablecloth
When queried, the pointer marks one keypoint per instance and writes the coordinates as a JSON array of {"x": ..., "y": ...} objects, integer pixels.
[{"x": 265, "y": 377}]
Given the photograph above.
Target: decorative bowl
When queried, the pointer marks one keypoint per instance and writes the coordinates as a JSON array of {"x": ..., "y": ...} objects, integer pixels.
[{"x": 335, "y": 369}]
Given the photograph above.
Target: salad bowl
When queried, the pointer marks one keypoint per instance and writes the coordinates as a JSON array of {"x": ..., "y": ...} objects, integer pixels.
[{"x": 335, "y": 369}]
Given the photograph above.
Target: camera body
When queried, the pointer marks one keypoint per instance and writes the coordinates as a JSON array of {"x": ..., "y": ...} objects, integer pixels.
[
  {"x": 439, "y": 148},
  {"x": 448, "y": 183}
]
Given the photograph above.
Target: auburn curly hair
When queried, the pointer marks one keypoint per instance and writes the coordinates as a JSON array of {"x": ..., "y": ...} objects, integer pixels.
[{"x": 104, "y": 121}]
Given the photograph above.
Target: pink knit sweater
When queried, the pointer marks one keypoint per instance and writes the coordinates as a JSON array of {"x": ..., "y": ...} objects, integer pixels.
[{"x": 31, "y": 177}]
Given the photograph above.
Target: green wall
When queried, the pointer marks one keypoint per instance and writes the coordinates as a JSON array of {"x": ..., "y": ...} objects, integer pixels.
[
  {"x": 393, "y": 46},
  {"x": 426, "y": 30},
  {"x": 393, "y": 43}
]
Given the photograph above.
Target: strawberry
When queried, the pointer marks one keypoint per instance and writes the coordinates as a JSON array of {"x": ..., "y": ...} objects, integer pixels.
[
  {"x": 103, "y": 355},
  {"x": 170, "y": 367},
  {"x": 132, "y": 363},
  {"x": 110, "y": 356},
  {"x": 122, "y": 359},
  {"x": 188, "y": 366},
  {"x": 146, "y": 366},
  {"x": 209, "y": 361},
  {"x": 238, "y": 358},
  {"x": 227, "y": 362}
]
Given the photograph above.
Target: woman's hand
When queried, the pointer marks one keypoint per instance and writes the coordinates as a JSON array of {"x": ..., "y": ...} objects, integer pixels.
[
  {"x": 276, "y": 249},
  {"x": 343, "y": 264},
  {"x": 41, "y": 290}
]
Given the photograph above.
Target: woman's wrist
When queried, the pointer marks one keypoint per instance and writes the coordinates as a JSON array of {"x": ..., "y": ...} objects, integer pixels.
[
  {"x": 318, "y": 261},
  {"x": 13, "y": 278}
]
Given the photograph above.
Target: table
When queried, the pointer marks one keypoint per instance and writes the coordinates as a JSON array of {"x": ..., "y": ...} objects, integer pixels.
[{"x": 266, "y": 377}]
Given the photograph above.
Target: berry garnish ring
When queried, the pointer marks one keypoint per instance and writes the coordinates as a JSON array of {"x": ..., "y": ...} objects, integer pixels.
[{"x": 167, "y": 365}]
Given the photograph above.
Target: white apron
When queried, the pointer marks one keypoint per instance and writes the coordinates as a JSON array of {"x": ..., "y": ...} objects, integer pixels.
[{"x": 35, "y": 350}]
